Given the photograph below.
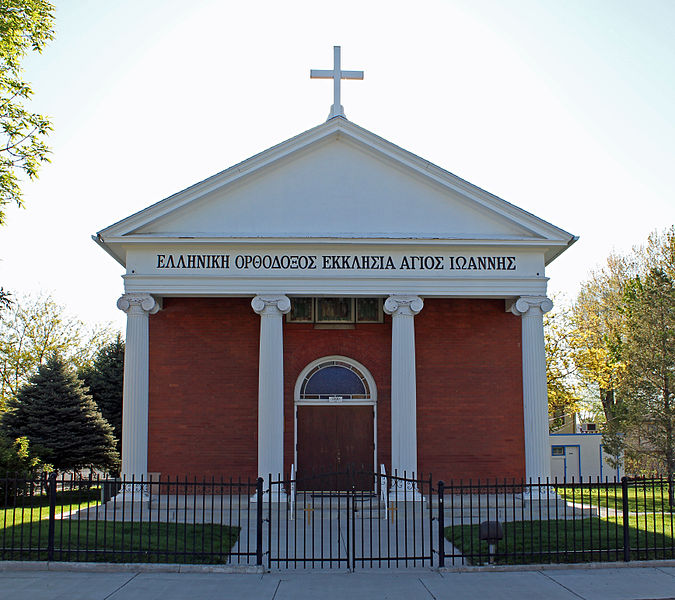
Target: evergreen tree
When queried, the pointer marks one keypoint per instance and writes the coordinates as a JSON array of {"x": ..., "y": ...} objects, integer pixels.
[
  {"x": 61, "y": 421},
  {"x": 34, "y": 328},
  {"x": 104, "y": 378}
]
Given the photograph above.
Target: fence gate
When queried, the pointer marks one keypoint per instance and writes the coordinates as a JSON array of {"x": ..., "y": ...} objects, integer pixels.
[{"x": 380, "y": 521}]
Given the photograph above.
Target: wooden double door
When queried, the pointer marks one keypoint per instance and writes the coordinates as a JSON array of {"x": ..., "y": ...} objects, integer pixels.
[{"x": 335, "y": 444}]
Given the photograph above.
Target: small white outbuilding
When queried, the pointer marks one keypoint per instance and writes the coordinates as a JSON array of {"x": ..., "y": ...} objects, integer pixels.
[{"x": 576, "y": 455}]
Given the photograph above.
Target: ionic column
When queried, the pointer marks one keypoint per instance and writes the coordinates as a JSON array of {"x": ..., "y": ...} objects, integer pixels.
[
  {"x": 403, "y": 387},
  {"x": 535, "y": 394},
  {"x": 271, "y": 384},
  {"x": 135, "y": 390}
]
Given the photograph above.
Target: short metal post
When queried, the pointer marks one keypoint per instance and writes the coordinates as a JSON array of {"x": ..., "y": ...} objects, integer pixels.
[
  {"x": 626, "y": 524},
  {"x": 269, "y": 522},
  {"x": 259, "y": 523},
  {"x": 441, "y": 524},
  {"x": 352, "y": 516},
  {"x": 51, "y": 491}
]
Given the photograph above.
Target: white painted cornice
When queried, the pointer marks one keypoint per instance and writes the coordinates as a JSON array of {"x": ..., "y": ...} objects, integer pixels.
[
  {"x": 339, "y": 284},
  {"x": 392, "y": 239}
]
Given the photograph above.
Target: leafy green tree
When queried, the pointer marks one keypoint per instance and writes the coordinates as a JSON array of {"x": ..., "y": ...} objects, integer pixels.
[
  {"x": 5, "y": 300},
  {"x": 61, "y": 420},
  {"x": 598, "y": 328},
  {"x": 18, "y": 460},
  {"x": 32, "y": 329},
  {"x": 563, "y": 393},
  {"x": 25, "y": 25},
  {"x": 16, "y": 457},
  {"x": 649, "y": 350},
  {"x": 622, "y": 335},
  {"x": 105, "y": 377}
]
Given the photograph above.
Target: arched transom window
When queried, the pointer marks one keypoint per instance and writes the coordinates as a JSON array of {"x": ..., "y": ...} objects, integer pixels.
[{"x": 334, "y": 379}]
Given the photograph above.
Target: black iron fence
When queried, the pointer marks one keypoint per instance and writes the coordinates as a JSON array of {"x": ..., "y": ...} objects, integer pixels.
[
  {"x": 555, "y": 522},
  {"x": 173, "y": 520},
  {"x": 376, "y": 520}
]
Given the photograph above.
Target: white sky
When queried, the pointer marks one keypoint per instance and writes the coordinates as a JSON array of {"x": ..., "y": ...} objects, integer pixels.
[{"x": 566, "y": 109}]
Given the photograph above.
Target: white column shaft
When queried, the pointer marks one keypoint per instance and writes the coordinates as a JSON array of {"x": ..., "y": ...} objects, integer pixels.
[
  {"x": 271, "y": 384},
  {"x": 135, "y": 390},
  {"x": 535, "y": 393},
  {"x": 403, "y": 395},
  {"x": 403, "y": 383}
]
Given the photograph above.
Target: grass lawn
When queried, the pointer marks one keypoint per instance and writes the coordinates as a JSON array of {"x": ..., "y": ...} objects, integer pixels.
[
  {"x": 24, "y": 532},
  {"x": 581, "y": 540},
  {"x": 36, "y": 507},
  {"x": 641, "y": 497}
]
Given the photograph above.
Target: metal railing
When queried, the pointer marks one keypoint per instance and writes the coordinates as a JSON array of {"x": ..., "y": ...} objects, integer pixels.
[
  {"x": 556, "y": 522},
  {"x": 350, "y": 519},
  {"x": 175, "y": 520},
  {"x": 373, "y": 520}
]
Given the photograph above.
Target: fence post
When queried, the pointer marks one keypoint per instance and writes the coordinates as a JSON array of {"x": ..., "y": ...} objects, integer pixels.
[
  {"x": 259, "y": 523},
  {"x": 626, "y": 525},
  {"x": 441, "y": 524},
  {"x": 51, "y": 492}
]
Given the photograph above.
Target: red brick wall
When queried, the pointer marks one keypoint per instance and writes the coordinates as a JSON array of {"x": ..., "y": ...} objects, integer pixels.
[
  {"x": 469, "y": 390},
  {"x": 204, "y": 383},
  {"x": 203, "y": 413}
]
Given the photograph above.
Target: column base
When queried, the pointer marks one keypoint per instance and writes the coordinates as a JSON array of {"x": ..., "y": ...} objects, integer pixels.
[
  {"x": 408, "y": 493},
  {"x": 133, "y": 493},
  {"x": 539, "y": 491}
]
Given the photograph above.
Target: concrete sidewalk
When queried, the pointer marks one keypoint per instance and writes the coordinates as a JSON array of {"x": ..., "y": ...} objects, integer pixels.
[{"x": 595, "y": 583}]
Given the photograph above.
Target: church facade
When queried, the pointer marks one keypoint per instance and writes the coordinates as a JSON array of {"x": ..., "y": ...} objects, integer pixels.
[{"x": 266, "y": 329}]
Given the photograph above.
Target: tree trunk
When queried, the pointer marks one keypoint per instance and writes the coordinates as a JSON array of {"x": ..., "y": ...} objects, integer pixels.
[{"x": 607, "y": 399}]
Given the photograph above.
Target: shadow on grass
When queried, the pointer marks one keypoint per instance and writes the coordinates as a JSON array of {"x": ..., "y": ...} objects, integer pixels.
[
  {"x": 571, "y": 541},
  {"x": 77, "y": 540}
]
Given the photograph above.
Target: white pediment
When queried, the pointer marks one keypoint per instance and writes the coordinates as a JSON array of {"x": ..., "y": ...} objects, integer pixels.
[
  {"x": 337, "y": 189},
  {"x": 332, "y": 182}
]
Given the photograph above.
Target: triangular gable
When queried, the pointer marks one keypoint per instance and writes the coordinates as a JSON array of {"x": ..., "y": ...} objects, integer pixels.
[{"x": 337, "y": 181}]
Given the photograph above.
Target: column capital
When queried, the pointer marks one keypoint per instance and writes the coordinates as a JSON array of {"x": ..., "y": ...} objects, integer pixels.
[
  {"x": 399, "y": 305},
  {"x": 277, "y": 304},
  {"x": 138, "y": 302},
  {"x": 531, "y": 306}
]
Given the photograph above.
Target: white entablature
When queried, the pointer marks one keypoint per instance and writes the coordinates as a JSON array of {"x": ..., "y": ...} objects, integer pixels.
[{"x": 335, "y": 190}]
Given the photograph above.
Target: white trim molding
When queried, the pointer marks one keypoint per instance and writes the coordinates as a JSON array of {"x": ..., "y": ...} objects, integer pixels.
[{"x": 363, "y": 370}]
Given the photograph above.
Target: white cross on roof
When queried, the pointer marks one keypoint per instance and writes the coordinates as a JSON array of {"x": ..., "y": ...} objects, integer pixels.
[{"x": 336, "y": 75}]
